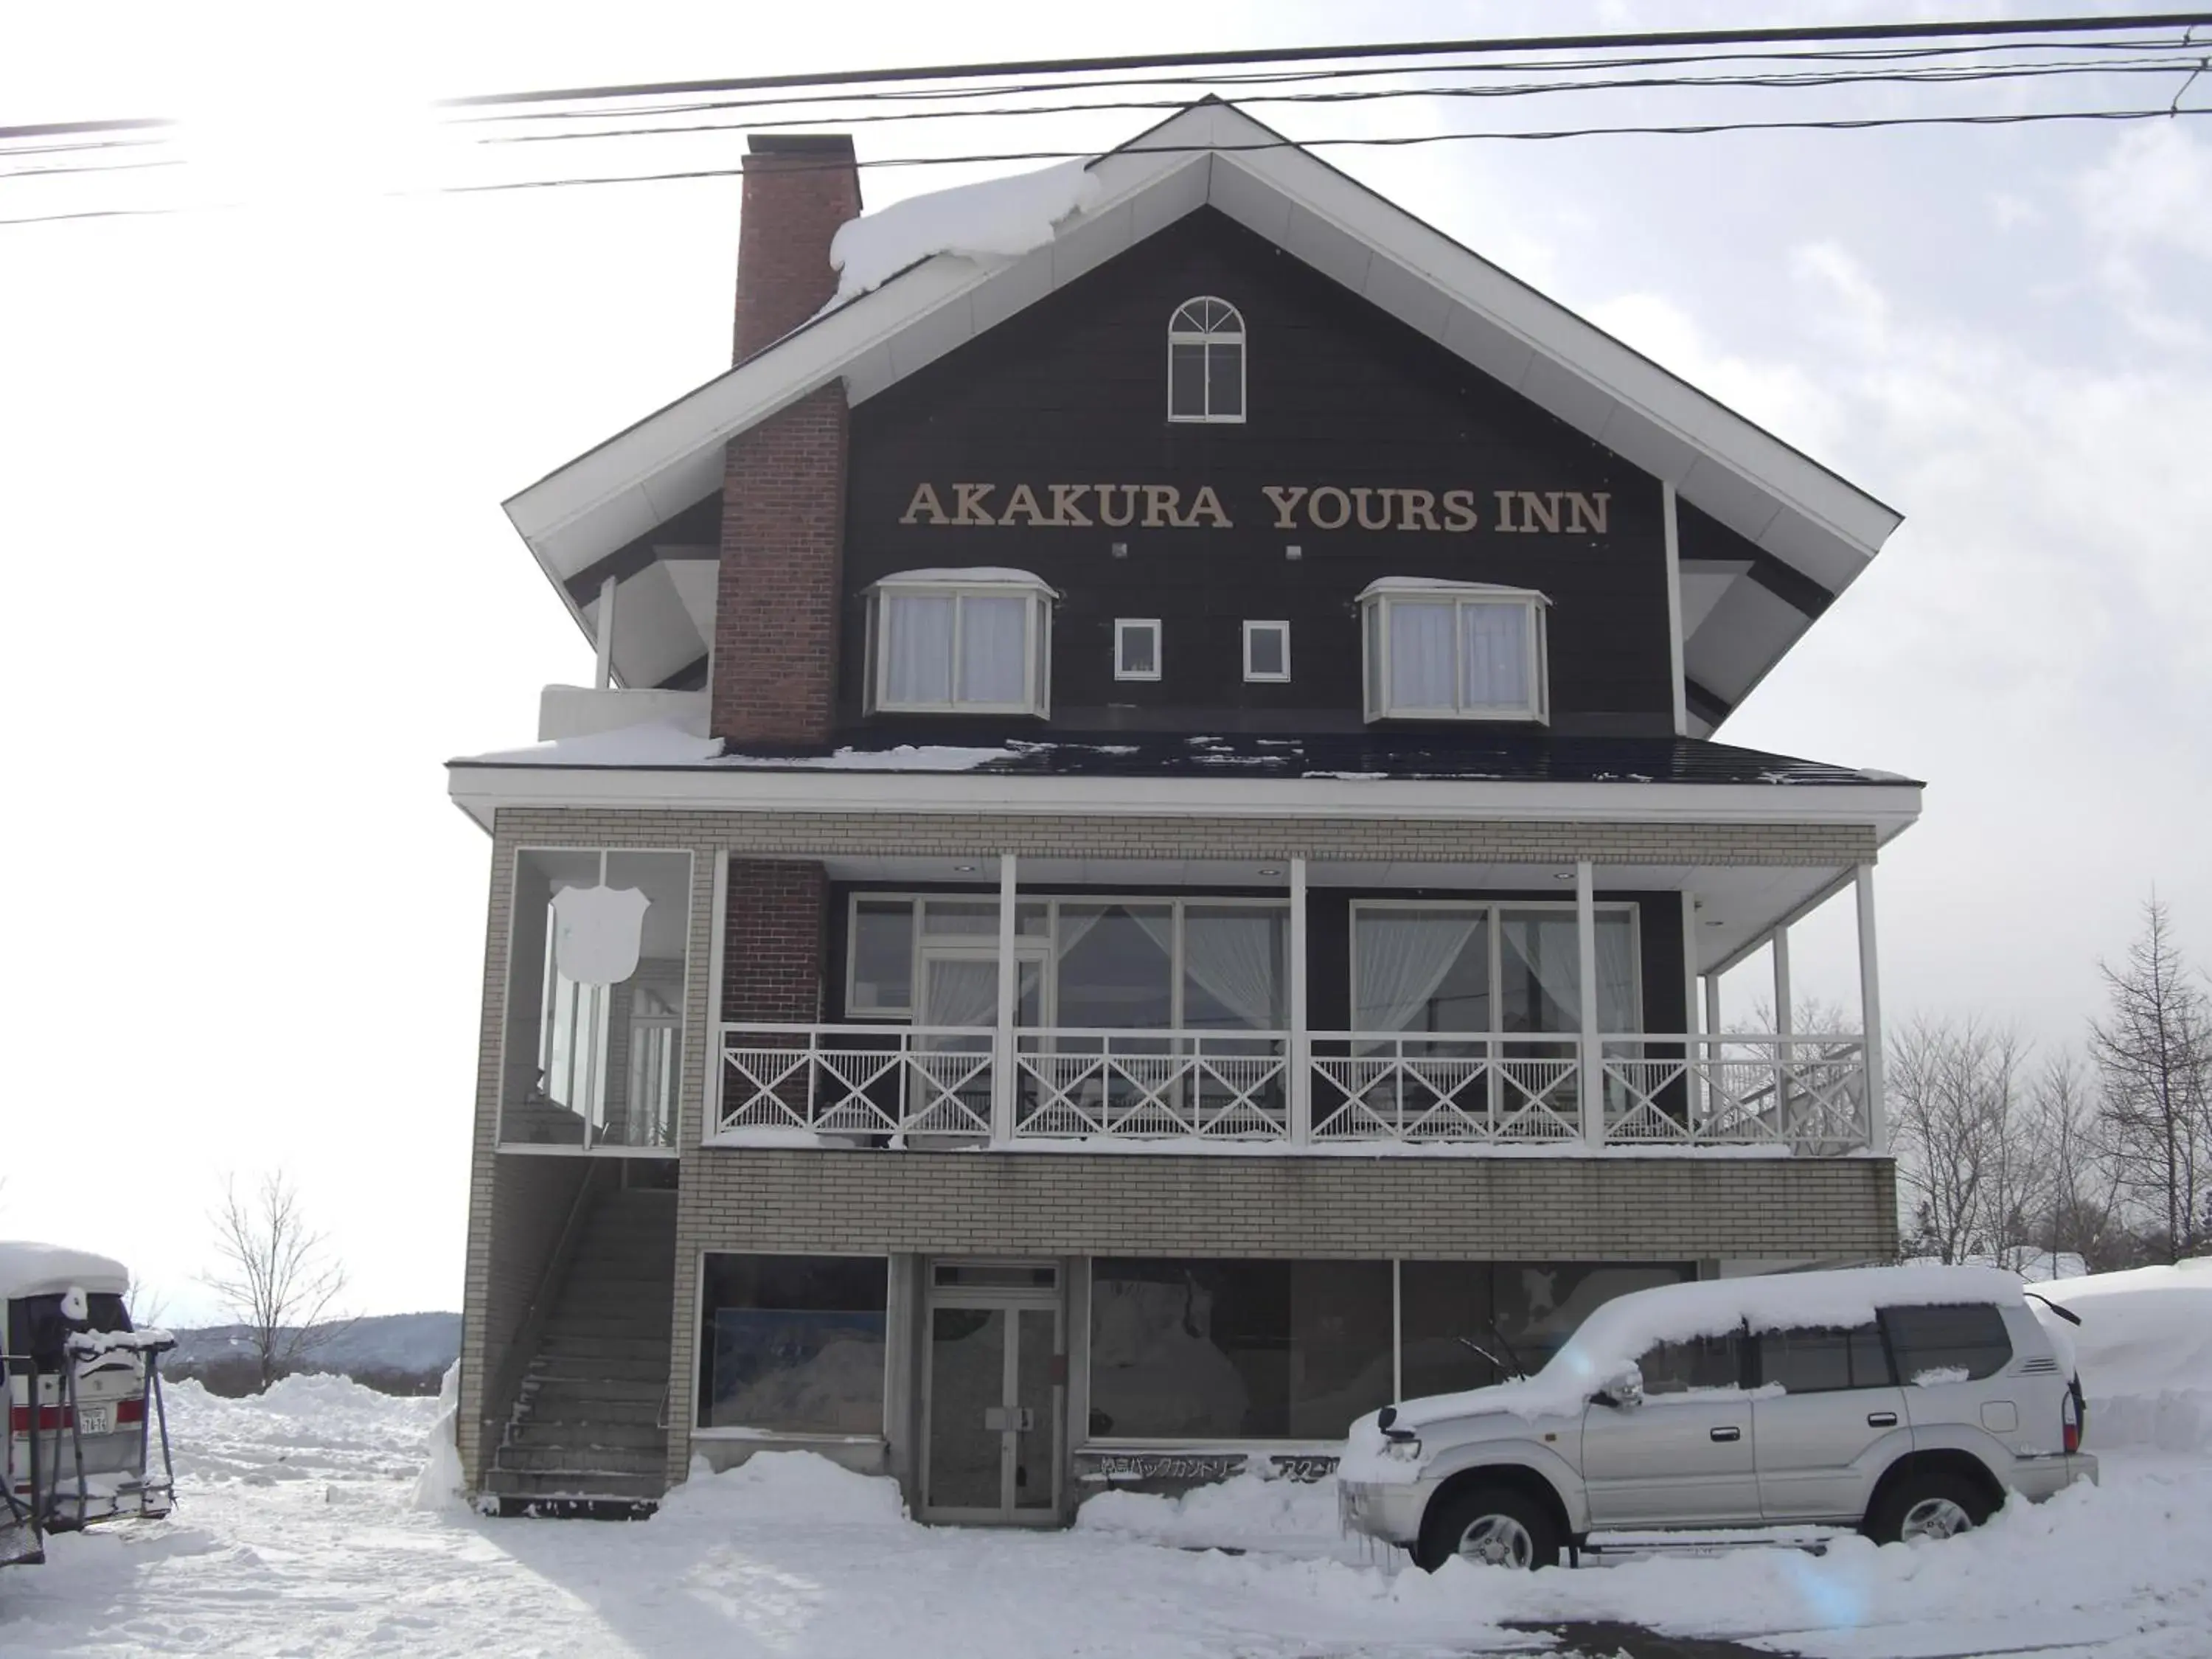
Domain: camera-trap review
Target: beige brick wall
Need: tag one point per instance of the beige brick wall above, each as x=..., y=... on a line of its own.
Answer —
x=1045, y=1204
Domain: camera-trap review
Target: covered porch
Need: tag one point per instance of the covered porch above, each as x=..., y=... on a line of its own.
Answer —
x=1305, y=1005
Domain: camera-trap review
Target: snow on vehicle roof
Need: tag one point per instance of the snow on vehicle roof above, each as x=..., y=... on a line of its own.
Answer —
x=28, y=1269
x=1628, y=1326
x=994, y=219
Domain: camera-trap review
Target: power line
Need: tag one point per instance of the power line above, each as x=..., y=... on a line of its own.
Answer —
x=1689, y=129
x=2019, y=30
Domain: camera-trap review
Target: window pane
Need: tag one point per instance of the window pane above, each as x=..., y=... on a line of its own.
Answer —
x=1421, y=970
x=1266, y=651
x=918, y=649
x=1705, y=1362
x=1187, y=381
x=645, y=1011
x=1421, y=666
x=883, y=957
x=993, y=649
x=1237, y=1350
x=1224, y=381
x=1616, y=971
x=1442, y=1307
x=793, y=1344
x=962, y=918
x=1805, y=1361
x=1233, y=968
x=1140, y=646
x=1496, y=656
x=1373, y=646
x=1538, y=957
x=1541, y=1303
x=1949, y=1343
x=1116, y=966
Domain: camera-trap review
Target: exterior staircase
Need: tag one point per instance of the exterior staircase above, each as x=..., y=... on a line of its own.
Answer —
x=588, y=1434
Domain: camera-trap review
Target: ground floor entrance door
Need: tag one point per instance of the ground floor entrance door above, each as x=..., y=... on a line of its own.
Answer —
x=992, y=1394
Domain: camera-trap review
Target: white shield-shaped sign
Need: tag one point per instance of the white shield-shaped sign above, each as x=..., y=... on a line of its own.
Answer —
x=597, y=932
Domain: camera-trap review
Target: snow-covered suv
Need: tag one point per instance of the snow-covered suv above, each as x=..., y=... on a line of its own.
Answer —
x=1906, y=1401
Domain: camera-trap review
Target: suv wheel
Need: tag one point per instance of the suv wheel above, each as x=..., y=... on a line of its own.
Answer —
x=1490, y=1526
x=1937, y=1504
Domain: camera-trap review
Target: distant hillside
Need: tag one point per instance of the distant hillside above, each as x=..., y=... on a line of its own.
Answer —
x=397, y=1354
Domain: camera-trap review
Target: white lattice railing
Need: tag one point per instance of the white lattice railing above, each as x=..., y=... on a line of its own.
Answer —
x=856, y=1079
x=1804, y=1092
x=1428, y=1088
x=1150, y=1085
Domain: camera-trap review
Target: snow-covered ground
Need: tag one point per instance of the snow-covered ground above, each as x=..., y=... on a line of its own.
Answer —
x=298, y=1532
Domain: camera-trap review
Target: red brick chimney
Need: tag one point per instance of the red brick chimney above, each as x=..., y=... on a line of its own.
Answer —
x=783, y=490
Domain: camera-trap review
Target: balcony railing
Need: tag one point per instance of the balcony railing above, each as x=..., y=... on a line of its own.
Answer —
x=896, y=1085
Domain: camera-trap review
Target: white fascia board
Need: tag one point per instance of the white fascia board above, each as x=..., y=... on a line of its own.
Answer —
x=1889, y=808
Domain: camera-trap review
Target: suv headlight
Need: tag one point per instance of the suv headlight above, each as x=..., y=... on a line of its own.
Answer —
x=1404, y=1449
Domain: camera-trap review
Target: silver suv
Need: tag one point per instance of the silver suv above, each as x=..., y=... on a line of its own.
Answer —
x=1905, y=1401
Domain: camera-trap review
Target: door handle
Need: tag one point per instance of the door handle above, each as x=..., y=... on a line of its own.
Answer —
x=1882, y=1420
x=1727, y=1432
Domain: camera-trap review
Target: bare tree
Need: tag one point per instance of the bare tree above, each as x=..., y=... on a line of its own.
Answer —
x=2082, y=1211
x=277, y=1274
x=1971, y=1171
x=2154, y=1055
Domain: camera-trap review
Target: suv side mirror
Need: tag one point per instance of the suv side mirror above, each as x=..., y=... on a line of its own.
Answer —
x=1624, y=1389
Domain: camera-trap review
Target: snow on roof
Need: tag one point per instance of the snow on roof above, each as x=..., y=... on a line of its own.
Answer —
x=1628, y=1326
x=995, y=219
x=987, y=575
x=653, y=742
x=32, y=1269
x=1437, y=585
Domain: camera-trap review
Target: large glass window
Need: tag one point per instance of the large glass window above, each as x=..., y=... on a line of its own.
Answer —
x=960, y=643
x=1453, y=650
x=793, y=1344
x=1435, y=969
x=595, y=999
x=1237, y=1350
x=1950, y=1343
x=1819, y=1359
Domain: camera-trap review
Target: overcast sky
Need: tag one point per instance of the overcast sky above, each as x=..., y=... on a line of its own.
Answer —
x=250, y=460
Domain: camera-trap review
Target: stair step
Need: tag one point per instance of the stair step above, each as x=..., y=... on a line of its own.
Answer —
x=540, y=1410
x=592, y=1345
x=512, y=1483
x=581, y=1460
x=570, y=1367
x=586, y=1439
x=593, y=1388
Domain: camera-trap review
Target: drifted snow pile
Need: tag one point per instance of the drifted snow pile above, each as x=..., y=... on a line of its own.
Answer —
x=1249, y=1510
x=996, y=219
x=441, y=1484
x=789, y=1488
x=2144, y=1345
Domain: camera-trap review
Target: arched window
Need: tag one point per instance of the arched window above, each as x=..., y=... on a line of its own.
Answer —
x=1205, y=362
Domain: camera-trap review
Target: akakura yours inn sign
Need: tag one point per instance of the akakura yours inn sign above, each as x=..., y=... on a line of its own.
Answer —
x=1294, y=507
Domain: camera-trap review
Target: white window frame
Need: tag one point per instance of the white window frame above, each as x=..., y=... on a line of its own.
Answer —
x=1494, y=910
x=1185, y=330
x=1036, y=641
x=1124, y=626
x=1267, y=679
x=1375, y=634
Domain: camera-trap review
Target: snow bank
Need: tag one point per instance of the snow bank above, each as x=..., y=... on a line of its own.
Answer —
x=2144, y=1346
x=782, y=1488
x=995, y=219
x=441, y=1484
x=1248, y=1509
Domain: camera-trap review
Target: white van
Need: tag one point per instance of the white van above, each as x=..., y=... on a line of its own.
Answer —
x=1908, y=1403
x=87, y=1439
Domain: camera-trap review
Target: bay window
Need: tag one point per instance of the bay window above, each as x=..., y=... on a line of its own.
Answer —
x=1456, y=651
x=960, y=642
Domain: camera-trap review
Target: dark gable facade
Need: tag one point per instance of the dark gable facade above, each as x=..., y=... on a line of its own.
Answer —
x=1341, y=397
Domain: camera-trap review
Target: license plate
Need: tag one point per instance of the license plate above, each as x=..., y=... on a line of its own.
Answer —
x=95, y=1420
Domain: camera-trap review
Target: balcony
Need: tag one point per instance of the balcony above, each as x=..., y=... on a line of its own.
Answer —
x=1280, y=1092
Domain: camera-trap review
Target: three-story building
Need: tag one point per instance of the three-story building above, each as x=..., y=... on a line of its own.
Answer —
x=1146, y=867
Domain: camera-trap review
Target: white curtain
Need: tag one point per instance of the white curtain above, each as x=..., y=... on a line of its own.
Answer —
x=1616, y=974
x=1231, y=956
x=993, y=633
x=1421, y=668
x=960, y=993
x=1403, y=957
x=919, y=647
x=1497, y=656
x=1546, y=944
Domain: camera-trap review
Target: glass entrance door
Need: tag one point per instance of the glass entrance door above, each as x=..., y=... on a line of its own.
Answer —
x=993, y=1439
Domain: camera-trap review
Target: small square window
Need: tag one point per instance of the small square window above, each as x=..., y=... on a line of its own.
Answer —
x=1137, y=649
x=1267, y=650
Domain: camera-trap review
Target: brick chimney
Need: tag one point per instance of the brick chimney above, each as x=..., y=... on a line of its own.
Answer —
x=783, y=488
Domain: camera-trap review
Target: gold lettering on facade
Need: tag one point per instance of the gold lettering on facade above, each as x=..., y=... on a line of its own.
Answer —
x=1505, y=525
x=1106, y=515
x=1587, y=514
x=1416, y=510
x=1459, y=511
x=1023, y=500
x=1359, y=504
x=925, y=500
x=1340, y=510
x=1208, y=505
x=1160, y=503
x=1537, y=510
x=968, y=501
x=1285, y=498
x=1065, y=510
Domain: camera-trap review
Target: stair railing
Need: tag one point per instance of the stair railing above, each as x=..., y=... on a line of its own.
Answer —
x=500, y=1400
